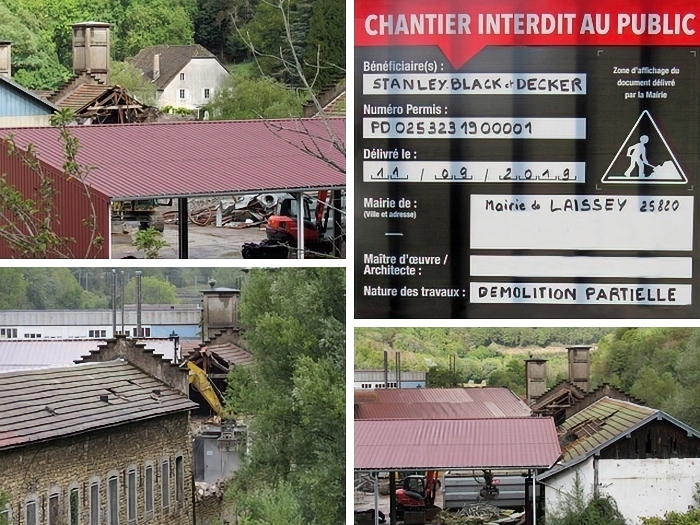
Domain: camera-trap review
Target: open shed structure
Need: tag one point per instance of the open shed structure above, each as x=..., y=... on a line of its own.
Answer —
x=176, y=160
x=438, y=445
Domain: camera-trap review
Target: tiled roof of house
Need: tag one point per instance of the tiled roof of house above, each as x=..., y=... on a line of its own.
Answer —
x=595, y=425
x=83, y=94
x=41, y=405
x=172, y=60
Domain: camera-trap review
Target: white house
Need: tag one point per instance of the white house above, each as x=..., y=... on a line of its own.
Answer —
x=185, y=76
x=646, y=460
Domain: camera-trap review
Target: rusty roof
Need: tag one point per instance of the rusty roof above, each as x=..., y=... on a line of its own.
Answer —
x=441, y=403
x=455, y=444
x=187, y=159
x=41, y=405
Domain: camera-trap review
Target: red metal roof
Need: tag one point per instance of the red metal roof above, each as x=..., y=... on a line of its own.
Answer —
x=177, y=159
x=455, y=444
x=441, y=403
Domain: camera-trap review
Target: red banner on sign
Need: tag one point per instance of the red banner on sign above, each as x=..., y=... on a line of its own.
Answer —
x=461, y=29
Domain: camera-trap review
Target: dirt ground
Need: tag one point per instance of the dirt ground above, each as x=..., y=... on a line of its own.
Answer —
x=205, y=242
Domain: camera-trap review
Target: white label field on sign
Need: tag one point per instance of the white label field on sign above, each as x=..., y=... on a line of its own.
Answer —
x=581, y=222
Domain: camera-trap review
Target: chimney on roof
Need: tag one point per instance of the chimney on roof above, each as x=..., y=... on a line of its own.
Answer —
x=156, y=66
x=91, y=49
x=5, y=58
x=535, y=378
x=579, y=366
x=220, y=311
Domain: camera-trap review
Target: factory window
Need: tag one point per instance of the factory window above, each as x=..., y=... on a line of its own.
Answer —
x=182, y=94
x=131, y=496
x=148, y=489
x=74, y=506
x=113, y=501
x=30, y=513
x=8, y=333
x=54, y=509
x=95, y=503
x=179, y=479
x=145, y=331
x=165, y=483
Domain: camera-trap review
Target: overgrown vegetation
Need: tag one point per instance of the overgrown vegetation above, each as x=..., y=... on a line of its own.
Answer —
x=150, y=241
x=294, y=398
x=577, y=509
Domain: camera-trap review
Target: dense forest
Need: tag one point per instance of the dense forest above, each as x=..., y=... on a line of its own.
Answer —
x=660, y=366
x=89, y=288
x=40, y=32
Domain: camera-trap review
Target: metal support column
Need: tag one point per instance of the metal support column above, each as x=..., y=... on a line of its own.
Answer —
x=392, y=498
x=338, y=233
x=300, y=225
x=182, y=226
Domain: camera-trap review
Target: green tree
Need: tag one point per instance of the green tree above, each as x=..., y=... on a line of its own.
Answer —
x=128, y=76
x=13, y=289
x=155, y=22
x=245, y=98
x=52, y=288
x=153, y=291
x=293, y=395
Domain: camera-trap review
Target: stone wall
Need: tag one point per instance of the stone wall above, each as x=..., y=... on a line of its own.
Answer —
x=37, y=472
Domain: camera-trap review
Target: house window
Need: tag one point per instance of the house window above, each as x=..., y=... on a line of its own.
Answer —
x=207, y=92
x=30, y=513
x=95, y=503
x=179, y=479
x=182, y=77
x=54, y=510
x=165, y=483
x=182, y=94
x=131, y=496
x=149, y=489
x=74, y=506
x=113, y=501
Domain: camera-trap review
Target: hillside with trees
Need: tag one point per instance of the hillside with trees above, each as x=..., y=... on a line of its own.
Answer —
x=90, y=288
x=40, y=31
x=660, y=366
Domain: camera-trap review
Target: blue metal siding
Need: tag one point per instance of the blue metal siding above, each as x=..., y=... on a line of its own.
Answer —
x=183, y=330
x=14, y=103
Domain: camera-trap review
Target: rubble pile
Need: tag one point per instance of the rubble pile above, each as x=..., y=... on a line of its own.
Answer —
x=481, y=514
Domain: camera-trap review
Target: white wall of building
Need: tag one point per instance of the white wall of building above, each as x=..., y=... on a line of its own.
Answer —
x=641, y=487
x=200, y=74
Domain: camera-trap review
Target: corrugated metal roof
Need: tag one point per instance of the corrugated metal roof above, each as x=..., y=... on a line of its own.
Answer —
x=40, y=405
x=599, y=423
x=443, y=403
x=32, y=354
x=455, y=444
x=196, y=158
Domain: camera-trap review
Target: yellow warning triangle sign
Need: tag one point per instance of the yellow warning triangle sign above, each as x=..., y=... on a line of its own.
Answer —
x=645, y=157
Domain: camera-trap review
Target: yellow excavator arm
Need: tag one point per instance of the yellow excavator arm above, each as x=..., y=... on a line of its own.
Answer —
x=199, y=380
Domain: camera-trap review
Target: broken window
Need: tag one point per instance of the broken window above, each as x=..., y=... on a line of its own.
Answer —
x=149, y=488
x=165, y=483
x=74, y=503
x=95, y=503
x=30, y=513
x=113, y=501
x=131, y=496
x=54, y=511
x=179, y=479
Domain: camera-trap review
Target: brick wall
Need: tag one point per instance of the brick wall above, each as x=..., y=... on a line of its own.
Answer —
x=56, y=467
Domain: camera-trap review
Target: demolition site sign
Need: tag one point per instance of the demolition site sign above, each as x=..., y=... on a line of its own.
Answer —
x=535, y=160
